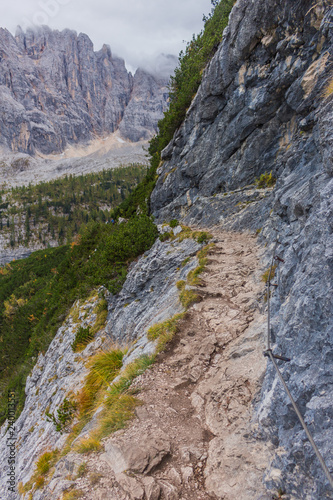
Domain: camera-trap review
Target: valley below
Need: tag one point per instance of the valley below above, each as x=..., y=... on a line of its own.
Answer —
x=17, y=169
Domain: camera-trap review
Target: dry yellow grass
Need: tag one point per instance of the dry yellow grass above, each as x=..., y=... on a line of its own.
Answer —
x=164, y=332
x=88, y=444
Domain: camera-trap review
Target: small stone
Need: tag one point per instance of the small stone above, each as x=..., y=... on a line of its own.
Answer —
x=152, y=488
x=185, y=456
x=131, y=486
x=169, y=491
x=187, y=473
x=175, y=477
x=137, y=457
x=177, y=230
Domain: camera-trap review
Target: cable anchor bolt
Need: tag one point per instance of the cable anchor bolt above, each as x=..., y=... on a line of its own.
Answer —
x=269, y=352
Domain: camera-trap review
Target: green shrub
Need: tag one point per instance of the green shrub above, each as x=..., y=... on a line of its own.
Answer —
x=204, y=237
x=265, y=181
x=82, y=338
x=173, y=223
x=65, y=415
x=165, y=236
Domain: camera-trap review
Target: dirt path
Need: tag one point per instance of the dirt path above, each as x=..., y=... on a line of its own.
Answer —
x=193, y=438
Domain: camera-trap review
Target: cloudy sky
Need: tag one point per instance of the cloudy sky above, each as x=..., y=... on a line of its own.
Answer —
x=136, y=30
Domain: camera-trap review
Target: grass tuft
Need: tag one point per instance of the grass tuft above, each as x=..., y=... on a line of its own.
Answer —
x=45, y=462
x=266, y=180
x=88, y=445
x=102, y=311
x=83, y=337
x=185, y=261
x=39, y=482
x=193, y=276
x=82, y=470
x=165, y=331
x=43, y=467
x=103, y=368
x=165, y=236
x=94, y=478
x=119, y=408
x=117, y=400
x=265, y=276
x=72, y=495
x=187, y=297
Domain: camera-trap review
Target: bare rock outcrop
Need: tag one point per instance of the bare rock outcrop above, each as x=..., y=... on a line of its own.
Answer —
x=149, y=100
x=140, y=457
x=259, y=94
x=265, y=105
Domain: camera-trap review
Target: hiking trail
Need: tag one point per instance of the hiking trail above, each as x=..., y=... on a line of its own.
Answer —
x=193, y=436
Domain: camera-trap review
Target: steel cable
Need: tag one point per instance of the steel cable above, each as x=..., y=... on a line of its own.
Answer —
x=273, y=358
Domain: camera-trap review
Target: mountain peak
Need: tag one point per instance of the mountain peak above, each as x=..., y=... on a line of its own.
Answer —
x=62, y=91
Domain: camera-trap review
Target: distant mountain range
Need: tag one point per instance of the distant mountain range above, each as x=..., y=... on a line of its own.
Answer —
x=56, y=90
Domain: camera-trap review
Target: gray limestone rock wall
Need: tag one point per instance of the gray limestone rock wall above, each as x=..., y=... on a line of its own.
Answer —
x=149, y=295
x=259, y=91
x=54, y=376
x=54, y=90
x=149, y=100
x=264, y=106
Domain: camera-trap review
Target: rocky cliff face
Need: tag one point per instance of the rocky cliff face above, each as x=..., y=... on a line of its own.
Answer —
x=148, y=102
x=265, y=104
x=259, y=93
x=54, y=90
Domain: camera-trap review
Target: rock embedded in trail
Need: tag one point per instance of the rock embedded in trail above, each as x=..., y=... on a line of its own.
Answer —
x=140, y=457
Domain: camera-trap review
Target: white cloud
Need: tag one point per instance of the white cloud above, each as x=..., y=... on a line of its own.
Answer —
x=137, y=30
